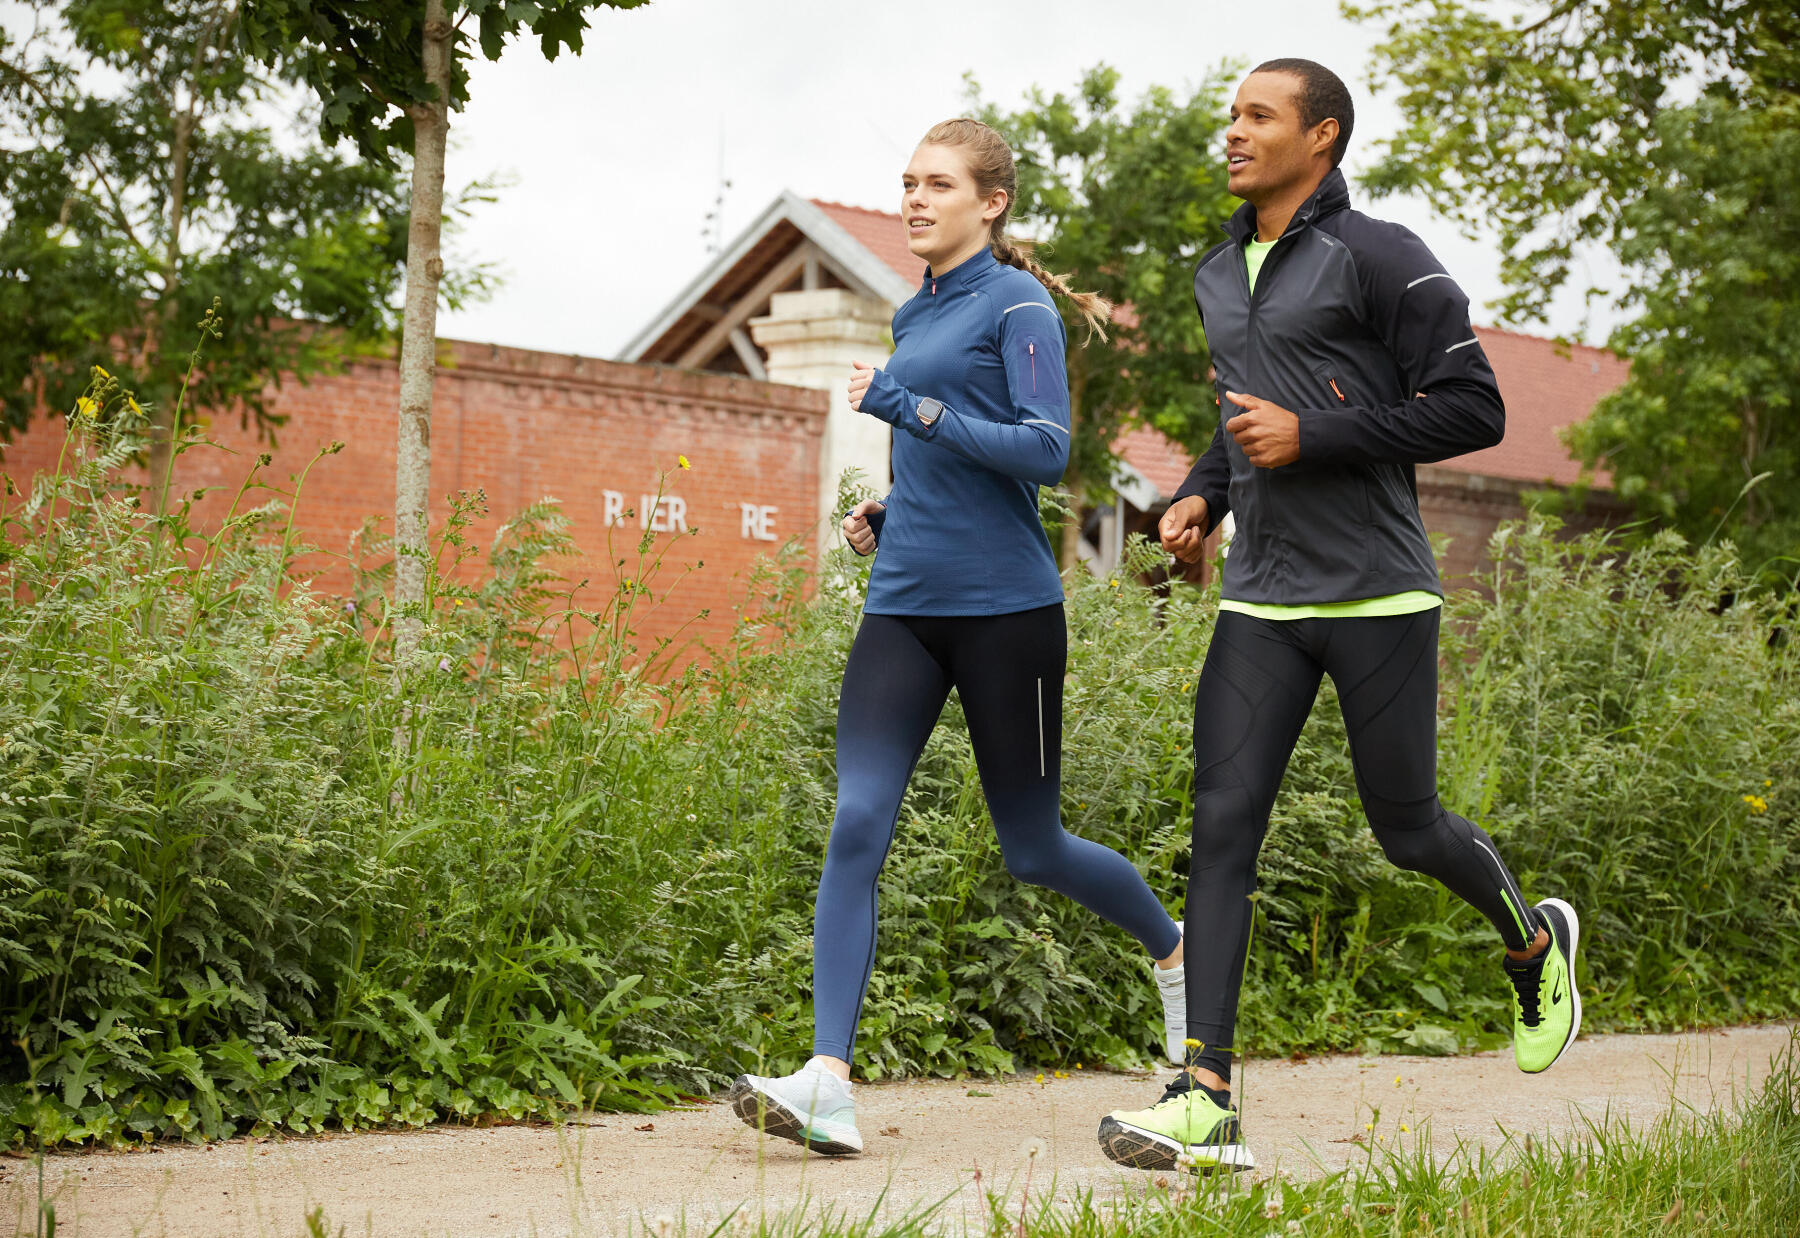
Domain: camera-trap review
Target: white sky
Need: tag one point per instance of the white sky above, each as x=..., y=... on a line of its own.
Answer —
x=615, y=154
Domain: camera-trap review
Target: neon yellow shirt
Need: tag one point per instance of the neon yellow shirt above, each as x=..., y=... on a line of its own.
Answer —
x=1254, y=253
x=1408, y=603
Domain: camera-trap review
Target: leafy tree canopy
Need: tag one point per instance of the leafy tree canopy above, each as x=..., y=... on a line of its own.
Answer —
x=1668, y=133
x=363, y=58
x=146, y=172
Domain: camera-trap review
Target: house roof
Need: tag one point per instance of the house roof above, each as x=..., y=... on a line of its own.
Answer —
x=1162, y=461
x=766, y=249
x=1546, y=386
x=883, y=234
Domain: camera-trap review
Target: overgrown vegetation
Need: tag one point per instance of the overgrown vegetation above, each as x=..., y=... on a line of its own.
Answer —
x=1668, y=136
x=254, y=877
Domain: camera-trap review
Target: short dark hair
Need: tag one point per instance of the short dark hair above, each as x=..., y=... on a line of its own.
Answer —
x=1322, y=93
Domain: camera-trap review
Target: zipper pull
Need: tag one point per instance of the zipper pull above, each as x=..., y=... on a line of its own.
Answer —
x=1031, y=349
x=934, y=287
x=1335, y=391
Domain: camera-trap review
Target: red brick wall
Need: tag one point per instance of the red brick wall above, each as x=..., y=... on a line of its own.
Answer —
x=1468, y=507
x=524, y=425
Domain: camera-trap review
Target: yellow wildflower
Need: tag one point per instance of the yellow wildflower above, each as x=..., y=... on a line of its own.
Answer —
x=683, y=461
x=85, y=407
x=1757, y=803
x=101, y=371
x=1191, y=1043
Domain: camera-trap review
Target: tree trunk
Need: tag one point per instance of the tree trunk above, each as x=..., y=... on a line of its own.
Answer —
x=418, y=342
x=163, y=427
x=161, y=455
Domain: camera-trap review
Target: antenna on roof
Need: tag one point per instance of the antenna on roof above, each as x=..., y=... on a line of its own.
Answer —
x=713, y=230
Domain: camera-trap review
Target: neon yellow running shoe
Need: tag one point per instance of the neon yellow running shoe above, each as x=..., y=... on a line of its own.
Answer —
x=1185, y=1129
x=1546, y=1004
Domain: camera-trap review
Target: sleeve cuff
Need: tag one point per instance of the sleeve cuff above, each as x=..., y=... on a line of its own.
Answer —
x=886, y=400
x=1325, y=434
x=1217, y=505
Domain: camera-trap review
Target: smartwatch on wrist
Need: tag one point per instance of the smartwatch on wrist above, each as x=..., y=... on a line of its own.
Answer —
x=929, y=410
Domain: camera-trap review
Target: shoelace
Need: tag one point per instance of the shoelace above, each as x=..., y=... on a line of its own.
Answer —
x=1181, y=1087
x=1528, y=982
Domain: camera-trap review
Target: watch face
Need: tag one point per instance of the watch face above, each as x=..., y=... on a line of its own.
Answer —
x=929, y=410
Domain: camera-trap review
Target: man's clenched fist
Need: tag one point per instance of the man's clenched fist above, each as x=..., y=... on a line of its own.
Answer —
x=1268, y=433
x=1183, y=528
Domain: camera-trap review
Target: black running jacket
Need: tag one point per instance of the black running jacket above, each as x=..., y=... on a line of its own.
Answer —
x=1356, y=328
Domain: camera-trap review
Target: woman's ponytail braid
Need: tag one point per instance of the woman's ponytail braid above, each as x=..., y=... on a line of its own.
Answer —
x=991, y=163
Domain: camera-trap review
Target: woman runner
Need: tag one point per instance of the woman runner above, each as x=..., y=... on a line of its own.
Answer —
x=964, y=594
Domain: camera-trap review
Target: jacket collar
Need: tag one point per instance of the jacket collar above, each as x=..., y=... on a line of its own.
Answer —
x=1332, y=195
x=963, y=274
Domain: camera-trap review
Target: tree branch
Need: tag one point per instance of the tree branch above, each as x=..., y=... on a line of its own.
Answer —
x=120, y=216
x=1556, y=13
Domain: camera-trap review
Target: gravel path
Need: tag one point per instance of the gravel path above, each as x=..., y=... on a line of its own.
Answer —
x=602, y=1174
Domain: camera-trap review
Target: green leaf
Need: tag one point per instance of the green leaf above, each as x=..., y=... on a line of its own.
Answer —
x=1431, y=993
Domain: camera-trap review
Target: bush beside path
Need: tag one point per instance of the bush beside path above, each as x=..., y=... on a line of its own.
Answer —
x=605, y=1173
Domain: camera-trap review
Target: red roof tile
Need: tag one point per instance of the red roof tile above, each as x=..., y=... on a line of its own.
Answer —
x=1159, y=458
x=881, y=233
x=1546, y=386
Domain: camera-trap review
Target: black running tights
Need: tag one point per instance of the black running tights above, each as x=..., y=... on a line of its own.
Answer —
x=1254, y=695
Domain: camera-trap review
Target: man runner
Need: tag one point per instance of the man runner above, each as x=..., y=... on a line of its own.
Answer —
x=1344, y=357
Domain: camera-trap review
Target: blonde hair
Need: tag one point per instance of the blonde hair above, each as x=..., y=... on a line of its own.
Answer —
x=991, y=164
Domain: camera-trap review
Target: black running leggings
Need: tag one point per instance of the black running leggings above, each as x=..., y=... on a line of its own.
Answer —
x=1008, y=671
x=1255, y=693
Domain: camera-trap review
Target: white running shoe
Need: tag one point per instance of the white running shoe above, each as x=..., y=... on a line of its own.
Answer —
x=812, y=1107
x=1171, y=985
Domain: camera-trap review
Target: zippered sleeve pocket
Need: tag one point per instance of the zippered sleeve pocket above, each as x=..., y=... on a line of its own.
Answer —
x=1031, y=350
x=1030, y=377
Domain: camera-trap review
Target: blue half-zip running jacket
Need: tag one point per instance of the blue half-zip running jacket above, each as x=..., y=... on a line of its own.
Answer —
x=961, y=534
